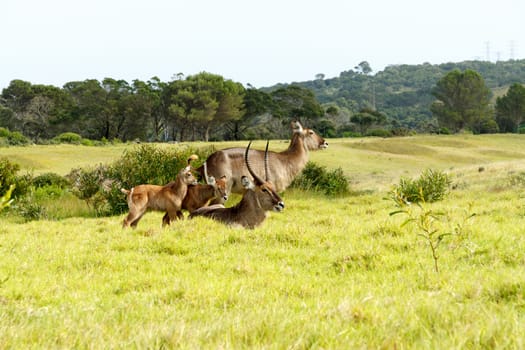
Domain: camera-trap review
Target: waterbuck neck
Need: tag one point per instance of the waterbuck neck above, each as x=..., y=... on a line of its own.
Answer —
x=297, y=145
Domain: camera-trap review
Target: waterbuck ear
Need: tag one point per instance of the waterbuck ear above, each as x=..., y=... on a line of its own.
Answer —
x=297, y=127
x=211, y=180
x=247, y=183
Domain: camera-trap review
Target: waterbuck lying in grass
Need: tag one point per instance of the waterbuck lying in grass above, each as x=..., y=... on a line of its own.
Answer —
x=285, y=165
x=166, y=198
x=258, y=198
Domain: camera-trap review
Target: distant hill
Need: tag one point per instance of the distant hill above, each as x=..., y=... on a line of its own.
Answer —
x=403, y=92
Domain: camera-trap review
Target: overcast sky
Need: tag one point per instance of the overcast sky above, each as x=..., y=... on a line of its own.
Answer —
x=252, y=42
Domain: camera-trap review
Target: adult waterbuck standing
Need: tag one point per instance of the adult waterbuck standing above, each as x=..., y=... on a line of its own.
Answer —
x=258, y=198
x=285, y=165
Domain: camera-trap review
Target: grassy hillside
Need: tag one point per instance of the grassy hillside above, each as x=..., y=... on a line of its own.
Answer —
x=334, y=273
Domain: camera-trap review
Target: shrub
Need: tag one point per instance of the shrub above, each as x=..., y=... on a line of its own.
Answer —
x=402, y=131
x=488, y=126
x=68, y=137
x=50, y=179
x=8, y=176
x=379, y=133
x=4, y=132
x=431, y=186
x=8, y=172
x=316, y=178
x=351, y=134
x=29, y=208
x=17, y=139
x=87, y=142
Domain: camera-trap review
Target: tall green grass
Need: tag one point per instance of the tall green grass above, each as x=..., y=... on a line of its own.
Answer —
x=325, y=273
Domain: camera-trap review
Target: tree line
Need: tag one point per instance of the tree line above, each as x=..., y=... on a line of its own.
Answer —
x=204, y=106
x=401, y=99
x=405, y=93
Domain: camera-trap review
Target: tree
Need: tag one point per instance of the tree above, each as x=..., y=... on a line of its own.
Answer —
x=38, y=111
x=89, y=99
x=256, y=104
x=295, y=103
x=462, y=101
x=510, y=109
x=363, y=68
x=366, y=118
x=7, y=118
x=204, y=101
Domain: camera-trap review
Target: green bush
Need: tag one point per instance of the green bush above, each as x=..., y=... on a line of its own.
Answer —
x=8, y=172
x=316, y=178
x=488, y=126
x=68, y=137
x=87, y=142
x=16, y=138
x=8, y=176
x=431, y=186
x=351, y=134
x=379, y=133
x=29, y=208
x=402, y=131
x=50, y=179
x=4, y=132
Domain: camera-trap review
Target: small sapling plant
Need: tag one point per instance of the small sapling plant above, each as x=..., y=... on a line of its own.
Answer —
x=411, y=197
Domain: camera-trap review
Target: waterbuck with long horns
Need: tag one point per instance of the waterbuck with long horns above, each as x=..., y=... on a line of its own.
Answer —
x=258, y=198
x=285, y=165
x=166, y=198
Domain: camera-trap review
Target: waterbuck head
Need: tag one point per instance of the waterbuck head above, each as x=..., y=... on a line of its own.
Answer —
x=312, y=140
x=265, y=195
x=219, y=186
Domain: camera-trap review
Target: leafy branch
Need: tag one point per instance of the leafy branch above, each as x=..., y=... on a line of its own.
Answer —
x=6, y=199
x=426, y=221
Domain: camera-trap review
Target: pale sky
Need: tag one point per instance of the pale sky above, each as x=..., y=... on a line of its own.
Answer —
x=261, y=43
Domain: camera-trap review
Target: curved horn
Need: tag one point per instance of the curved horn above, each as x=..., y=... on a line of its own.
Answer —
x=257, y=178
x=266, y=172
x=206, y=173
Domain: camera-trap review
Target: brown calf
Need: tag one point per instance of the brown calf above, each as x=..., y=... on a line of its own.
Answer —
x=200, y=194
x=166, y=198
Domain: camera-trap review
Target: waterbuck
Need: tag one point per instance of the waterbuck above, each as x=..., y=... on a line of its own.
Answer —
x=200, y=194
x=285, y=165
x=166, y=198
x=258, y=198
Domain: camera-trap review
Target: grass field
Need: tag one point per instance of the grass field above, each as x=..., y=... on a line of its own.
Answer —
x=330, y=273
